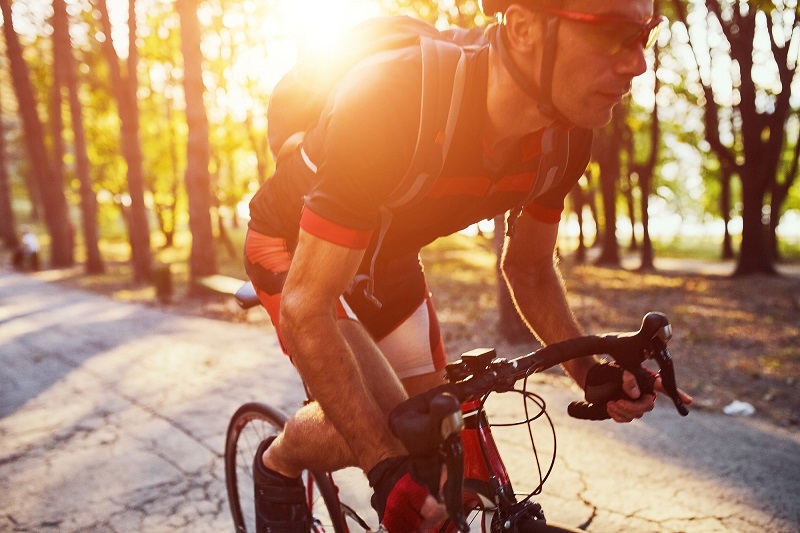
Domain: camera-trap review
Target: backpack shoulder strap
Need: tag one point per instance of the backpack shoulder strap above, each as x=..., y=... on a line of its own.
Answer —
x=444, y=73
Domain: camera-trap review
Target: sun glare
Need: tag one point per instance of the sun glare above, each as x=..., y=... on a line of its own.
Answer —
x=285, y=30
x=312, y=26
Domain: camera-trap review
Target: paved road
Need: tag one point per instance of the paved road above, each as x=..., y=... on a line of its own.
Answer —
x=112, y=419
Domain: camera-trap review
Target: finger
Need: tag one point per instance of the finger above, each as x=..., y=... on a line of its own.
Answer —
x=685, y=398
x=630, y=386
x=627, y=410
x=433, y=514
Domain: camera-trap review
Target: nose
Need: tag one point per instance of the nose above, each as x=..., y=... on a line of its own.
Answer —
x=630, y=61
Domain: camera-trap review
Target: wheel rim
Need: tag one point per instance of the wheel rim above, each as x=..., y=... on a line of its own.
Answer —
x=250, y=425
x=247, y=430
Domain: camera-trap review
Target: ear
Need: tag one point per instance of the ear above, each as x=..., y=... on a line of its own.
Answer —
x=522, y=28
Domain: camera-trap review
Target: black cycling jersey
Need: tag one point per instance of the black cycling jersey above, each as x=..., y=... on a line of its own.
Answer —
x=335, y=183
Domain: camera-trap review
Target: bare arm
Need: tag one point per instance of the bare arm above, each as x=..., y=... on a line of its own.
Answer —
x=538, y=289
x=320, y=273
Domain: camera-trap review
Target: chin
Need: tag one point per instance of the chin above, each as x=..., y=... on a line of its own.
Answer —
x=591, y=118
x=592, y=115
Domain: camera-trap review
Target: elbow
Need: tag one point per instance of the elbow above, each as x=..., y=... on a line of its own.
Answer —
x=300, y=320
x=293, y=317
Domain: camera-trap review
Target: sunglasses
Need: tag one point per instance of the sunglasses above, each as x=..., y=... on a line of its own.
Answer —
x=613, y=33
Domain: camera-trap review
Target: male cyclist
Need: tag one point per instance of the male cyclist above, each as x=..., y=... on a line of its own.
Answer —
x=549, y=72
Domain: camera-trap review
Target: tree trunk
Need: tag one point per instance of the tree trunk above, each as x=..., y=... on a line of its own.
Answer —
x=780, y=192
x=125, y=95
x=631, y=204
x=753, y=256
x=725, y=207
x=607, y=154
x=646, y=254
x=54, y=201
x=63, y=57
x=578, y=203
x=8, y=231
x=645, y=175
x=57, y=125
x=203, y=261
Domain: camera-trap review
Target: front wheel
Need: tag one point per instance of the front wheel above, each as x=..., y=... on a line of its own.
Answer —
x=249, y=426
x=481, y=514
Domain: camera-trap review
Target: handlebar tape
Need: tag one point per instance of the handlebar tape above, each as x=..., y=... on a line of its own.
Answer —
x=604, y=384
x=417, y=421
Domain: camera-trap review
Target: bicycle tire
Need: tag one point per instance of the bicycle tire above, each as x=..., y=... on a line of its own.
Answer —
x=248, y=427
x=479, y=507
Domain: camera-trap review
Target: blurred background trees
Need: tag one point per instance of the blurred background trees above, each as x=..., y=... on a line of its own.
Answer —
x=144, y=122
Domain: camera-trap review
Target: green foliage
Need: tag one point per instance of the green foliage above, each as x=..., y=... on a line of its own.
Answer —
x=247, y=43
x=465, y=13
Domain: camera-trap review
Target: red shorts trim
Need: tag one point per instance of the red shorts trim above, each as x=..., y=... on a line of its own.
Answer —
x=272, y=254
x=411, y=341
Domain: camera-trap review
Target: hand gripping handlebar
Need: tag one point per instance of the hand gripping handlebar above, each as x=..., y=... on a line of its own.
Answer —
x=429, y=423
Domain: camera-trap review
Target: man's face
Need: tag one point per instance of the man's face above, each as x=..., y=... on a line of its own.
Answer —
x=593, y=67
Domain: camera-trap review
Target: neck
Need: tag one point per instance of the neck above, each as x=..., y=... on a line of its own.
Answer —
x=511, y=112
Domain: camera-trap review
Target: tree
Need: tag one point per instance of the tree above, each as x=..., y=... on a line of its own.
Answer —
x=780, y=193
x=756, y=113
x=606, y=151
x=124, y=89
x=51, y=187
x=67, y=73
x=7, y=226
x=203, y=261
x=644, y=172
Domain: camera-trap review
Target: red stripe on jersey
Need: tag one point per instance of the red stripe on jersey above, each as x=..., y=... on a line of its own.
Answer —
x=464, y=186
x=544, y=214
x=516, y=182
x=531, y=146
x=333, y=232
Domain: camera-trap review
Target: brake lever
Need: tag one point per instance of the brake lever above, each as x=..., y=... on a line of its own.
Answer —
x=667, y=373
x=657, y=325
x=453, y=451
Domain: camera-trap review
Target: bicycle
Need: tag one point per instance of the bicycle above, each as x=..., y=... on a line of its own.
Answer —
x=446, y=421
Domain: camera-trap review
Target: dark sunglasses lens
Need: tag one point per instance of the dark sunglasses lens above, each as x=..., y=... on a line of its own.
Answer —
x=651, y=32
x=646, y=35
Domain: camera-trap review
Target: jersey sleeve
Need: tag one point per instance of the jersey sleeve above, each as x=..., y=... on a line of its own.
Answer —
x=362, y=147
x=548, y=207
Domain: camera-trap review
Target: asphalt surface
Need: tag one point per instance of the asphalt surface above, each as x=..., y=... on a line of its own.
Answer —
x=113, y=418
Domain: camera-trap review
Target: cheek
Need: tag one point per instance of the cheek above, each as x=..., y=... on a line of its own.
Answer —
x=580, y=103
x=573, y=81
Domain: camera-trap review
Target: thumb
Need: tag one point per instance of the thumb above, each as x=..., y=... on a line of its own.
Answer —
x=630, y=386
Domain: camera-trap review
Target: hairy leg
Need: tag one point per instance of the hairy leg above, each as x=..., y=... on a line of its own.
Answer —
x=417, y=384
x=309, y=439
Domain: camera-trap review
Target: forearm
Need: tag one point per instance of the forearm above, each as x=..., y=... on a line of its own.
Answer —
x=540, y=296
x=330, y=371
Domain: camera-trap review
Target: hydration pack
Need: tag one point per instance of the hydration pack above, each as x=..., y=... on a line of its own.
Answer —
x=299, y=98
